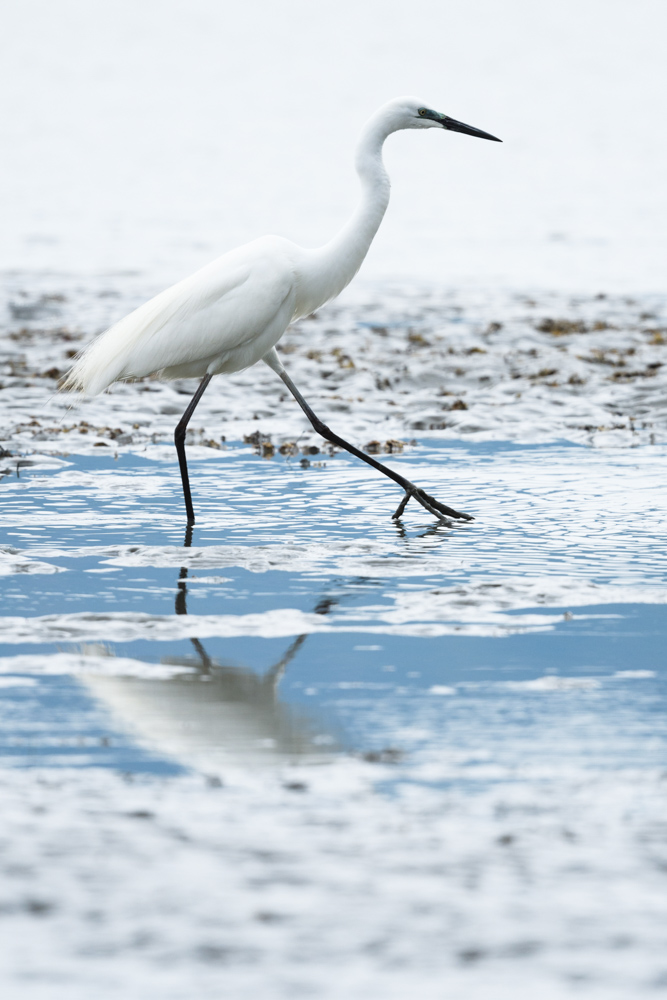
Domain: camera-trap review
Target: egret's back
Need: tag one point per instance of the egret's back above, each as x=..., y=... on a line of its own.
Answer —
x=224, y=317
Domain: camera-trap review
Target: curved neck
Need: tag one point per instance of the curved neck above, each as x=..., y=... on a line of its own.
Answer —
x=332, y=267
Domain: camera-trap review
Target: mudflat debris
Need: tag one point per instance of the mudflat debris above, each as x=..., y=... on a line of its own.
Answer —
x=379, y=365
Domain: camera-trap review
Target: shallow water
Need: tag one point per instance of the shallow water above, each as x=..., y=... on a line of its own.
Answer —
x=301, y=623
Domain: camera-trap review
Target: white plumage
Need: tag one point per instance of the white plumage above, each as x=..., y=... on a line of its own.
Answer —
x=233, y=312
x=223, y=318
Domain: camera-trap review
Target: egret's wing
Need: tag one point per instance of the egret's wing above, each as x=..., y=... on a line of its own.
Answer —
x=215, y=310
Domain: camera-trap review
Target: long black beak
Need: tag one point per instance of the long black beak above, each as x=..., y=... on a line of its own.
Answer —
x=453, y=126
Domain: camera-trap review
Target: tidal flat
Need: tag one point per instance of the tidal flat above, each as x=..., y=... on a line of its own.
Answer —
x=314, y=751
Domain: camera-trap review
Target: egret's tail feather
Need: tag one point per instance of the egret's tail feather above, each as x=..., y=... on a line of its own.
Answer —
x=108, y=359
x=93, y=371
x=72, y=382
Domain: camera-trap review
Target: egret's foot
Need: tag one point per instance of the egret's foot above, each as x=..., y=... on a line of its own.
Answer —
x=432, y=505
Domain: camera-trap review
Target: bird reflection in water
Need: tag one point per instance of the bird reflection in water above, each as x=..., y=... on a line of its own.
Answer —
x=215, y=713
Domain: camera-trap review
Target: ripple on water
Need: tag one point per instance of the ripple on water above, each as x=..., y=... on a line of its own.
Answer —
x=254, y=634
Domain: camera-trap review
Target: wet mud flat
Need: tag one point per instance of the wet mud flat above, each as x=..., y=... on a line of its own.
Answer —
x=314, y=752
x=381, y=363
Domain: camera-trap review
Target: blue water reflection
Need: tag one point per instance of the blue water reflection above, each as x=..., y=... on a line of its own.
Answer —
x=113, y=528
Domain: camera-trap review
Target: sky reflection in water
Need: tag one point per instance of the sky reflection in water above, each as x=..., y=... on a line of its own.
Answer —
x=302, y=622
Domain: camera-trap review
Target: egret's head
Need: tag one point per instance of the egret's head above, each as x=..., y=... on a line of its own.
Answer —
x=408, y=112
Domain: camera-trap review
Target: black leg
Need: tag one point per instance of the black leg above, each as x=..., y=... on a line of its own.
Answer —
x=179, y=440
x=431, y=505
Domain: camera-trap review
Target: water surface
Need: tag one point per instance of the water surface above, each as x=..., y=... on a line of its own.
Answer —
x=301, y=622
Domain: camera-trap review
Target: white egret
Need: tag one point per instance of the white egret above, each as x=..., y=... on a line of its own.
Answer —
x=232, y=313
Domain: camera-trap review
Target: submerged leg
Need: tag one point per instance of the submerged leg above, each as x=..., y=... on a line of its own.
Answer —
x=179, y=440
x=431, y=505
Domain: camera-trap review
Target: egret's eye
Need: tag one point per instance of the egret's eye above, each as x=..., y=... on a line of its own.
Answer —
x=422, y=111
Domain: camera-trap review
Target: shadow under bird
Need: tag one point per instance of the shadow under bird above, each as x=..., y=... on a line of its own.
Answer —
x=232, y=313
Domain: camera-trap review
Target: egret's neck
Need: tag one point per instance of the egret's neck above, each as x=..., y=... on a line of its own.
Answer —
x=330, y=268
